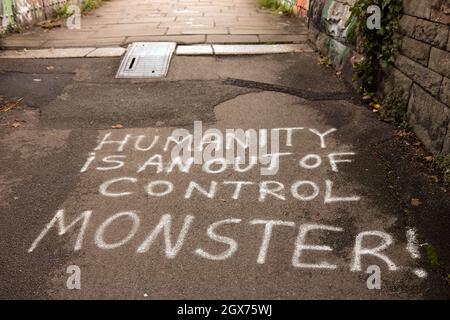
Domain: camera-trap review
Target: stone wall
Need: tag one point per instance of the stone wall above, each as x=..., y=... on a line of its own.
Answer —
x=422, y=70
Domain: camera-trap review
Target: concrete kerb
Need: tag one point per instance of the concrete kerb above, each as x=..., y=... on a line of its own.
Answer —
x=90, y=52
x=201, y=49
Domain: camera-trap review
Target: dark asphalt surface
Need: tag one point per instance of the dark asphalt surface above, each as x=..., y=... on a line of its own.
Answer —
x=75, y=103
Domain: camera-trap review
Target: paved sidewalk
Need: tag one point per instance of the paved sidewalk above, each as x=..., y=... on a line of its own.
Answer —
x=119, y=22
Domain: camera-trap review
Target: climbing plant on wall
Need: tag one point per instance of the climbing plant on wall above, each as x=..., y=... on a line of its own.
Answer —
x=380, y=45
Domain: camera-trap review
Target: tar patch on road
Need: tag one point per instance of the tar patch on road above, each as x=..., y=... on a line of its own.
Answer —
x=308, y=95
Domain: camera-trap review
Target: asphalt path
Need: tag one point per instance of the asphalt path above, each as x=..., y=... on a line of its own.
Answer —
x=92, y=184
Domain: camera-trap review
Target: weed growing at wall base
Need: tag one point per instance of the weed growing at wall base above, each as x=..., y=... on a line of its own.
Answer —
x=274, y=5
x=442, y=163
x=393, y=108
x=379, y=46
x=61, y=11
x=89, y=5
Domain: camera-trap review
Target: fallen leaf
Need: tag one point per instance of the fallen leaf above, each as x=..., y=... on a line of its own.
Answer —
x=117, y=126
x=50, y=24
x=435, y=179
x=366, y=97
x=16, y=124
x=429, y=158
x=415, y=202
x=50, y=68
x=9, y=106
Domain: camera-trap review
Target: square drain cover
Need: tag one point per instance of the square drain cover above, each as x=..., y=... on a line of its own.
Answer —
x=146, y=60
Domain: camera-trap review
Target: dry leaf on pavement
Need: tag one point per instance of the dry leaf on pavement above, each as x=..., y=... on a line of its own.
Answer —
x=435, y=179
x=10, y=105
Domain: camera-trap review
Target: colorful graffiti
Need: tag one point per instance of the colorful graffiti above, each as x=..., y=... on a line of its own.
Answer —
x=330, y=16
x=329, y=30
x=26, y=12
x=302, y=7
x=315, y=13
x=299, y=7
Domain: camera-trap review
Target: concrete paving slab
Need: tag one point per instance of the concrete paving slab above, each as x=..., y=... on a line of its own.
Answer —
x=259, y=49
x=107, y=52
x=227, y=38
x=21, y=43
x=180, y=39
x=199, y=30
x=194, y=50
x=46, y=53
x=74, y=43
x=268, y=30
x=286, y=38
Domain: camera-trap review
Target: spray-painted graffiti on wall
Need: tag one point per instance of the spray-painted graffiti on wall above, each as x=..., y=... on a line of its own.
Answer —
x=26, y=12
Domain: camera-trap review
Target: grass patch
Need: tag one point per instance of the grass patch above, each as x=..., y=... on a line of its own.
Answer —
x=284, y=9
x=273, y=5
x=442, y=163
x=14, y=28
x=325, y=61
x=268, y=4
x=393, y=108
x=89, y=5
x=432, y=256
x=61, y=11
x=430, y=251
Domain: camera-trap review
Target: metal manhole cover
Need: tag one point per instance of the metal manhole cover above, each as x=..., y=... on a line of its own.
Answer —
x=146, y=60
